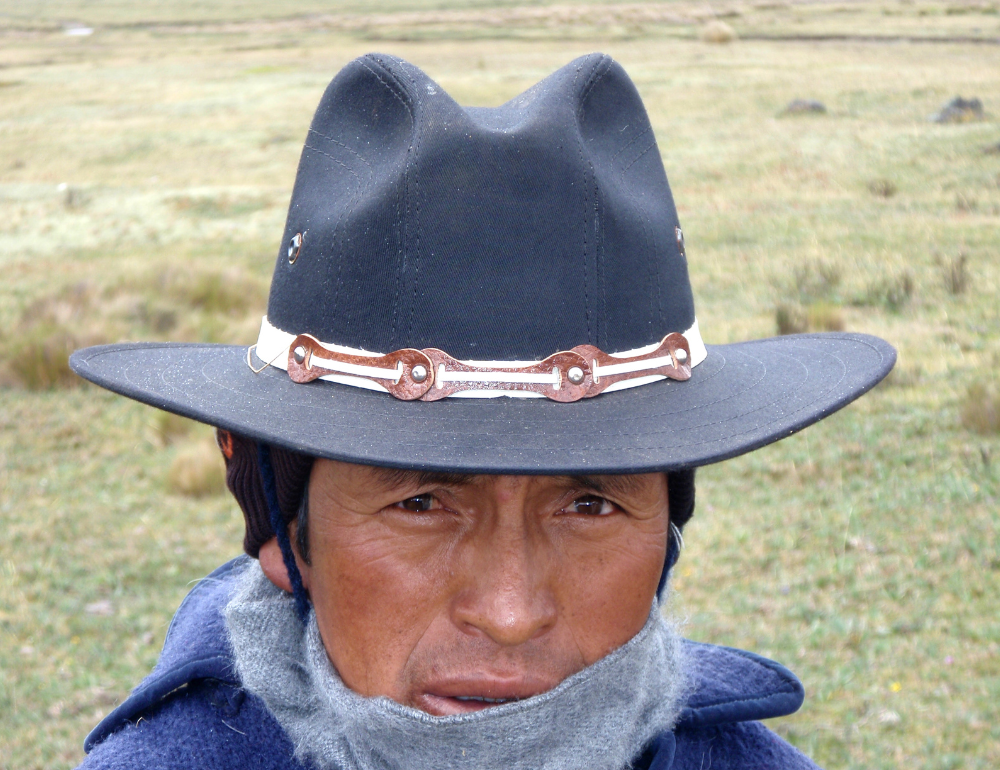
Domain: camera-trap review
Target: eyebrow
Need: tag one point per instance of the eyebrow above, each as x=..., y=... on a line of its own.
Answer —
x=394, y=478
x=616, y=485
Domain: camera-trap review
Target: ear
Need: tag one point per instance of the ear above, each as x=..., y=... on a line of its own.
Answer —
x=273, y=565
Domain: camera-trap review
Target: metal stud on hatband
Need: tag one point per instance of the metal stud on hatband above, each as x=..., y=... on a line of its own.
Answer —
x=418, y=373
x=681, y=354
x=299, y=354
x=575, y=375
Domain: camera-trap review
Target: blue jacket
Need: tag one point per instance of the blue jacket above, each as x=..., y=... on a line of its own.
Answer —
x=191, y=712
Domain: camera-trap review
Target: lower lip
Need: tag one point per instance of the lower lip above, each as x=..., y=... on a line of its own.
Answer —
x=443, y=706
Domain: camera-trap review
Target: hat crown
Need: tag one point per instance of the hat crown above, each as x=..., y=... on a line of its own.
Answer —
x=502, y=233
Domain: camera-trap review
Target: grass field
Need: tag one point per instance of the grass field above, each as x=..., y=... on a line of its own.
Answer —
x=144, y=173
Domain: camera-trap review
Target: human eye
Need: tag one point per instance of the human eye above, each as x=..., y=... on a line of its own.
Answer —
x=591, y=505
x=418, y=503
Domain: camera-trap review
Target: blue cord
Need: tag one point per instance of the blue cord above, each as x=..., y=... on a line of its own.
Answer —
x=673, y=553
x=281, y=531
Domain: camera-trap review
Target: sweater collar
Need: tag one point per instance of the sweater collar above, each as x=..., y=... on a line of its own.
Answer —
x=726, y=685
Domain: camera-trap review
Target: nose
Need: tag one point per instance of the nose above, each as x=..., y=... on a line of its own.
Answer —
x=507, y=597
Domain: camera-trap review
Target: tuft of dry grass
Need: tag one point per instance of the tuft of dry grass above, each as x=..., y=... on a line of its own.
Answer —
x=825, y=317
x=882, y=188
x=75, y=198
x=38, y=359
x=213, y=291
x=811, y=302
x=197, y=470
x=34, y=352
x=793, y=318
x=892, y=292
x=816, y=279
x=966, y=203
x=981, y=407
x=904, y=376
x=170, y=427
x=718, y=32
x=165, y=302
x=955, y=274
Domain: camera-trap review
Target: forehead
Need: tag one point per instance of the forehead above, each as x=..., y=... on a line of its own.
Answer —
x=393, y=479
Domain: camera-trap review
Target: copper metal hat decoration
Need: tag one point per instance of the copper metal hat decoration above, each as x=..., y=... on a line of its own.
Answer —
x=431, y=374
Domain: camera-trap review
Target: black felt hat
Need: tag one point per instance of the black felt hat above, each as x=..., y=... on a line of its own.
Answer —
x=501, y=235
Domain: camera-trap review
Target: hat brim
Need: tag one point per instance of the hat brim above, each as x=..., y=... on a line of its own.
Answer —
x=743, y=396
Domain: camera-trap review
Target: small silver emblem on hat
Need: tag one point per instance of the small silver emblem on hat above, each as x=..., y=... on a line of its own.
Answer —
x=294, y=247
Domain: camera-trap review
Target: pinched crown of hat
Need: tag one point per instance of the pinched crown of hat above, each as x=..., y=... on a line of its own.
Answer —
x=434, y=251
x=505, y=233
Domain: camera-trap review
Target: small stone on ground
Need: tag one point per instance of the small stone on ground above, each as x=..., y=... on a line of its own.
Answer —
x=805, y=106
x=959, y=110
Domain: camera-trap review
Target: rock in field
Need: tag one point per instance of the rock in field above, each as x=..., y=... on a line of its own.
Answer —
x=959, y=110
x=804, y=106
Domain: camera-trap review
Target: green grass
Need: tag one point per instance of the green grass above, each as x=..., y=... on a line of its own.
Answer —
x=863, y=552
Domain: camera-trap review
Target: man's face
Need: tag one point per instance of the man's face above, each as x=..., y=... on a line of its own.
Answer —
x=448, y=592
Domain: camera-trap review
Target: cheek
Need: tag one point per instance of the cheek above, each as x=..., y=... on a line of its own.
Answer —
x=607, y=588
x=374, y=597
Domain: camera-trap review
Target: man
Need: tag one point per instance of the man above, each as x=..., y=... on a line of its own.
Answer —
x=464, y=446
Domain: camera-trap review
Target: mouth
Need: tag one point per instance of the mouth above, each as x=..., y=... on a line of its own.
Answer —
x=465, y=695
x=475, y=699
x=451, y=705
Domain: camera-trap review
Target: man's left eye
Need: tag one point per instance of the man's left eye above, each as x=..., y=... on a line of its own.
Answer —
x=418, y=503
x=591, y=505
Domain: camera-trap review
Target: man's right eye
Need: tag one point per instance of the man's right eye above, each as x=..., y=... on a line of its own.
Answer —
x=417, y=504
